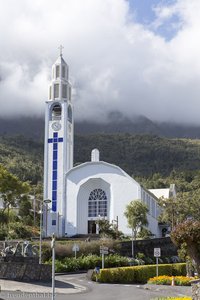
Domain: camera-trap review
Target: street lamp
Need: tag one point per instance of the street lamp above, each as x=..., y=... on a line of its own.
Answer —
x=59, y=216
x=46, y=201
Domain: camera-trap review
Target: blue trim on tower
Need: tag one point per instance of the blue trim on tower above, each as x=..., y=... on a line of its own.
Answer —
x=55, y=140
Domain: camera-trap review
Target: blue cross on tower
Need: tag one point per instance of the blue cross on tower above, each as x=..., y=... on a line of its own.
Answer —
x=55, y=140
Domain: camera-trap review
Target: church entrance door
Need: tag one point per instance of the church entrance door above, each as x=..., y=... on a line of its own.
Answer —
x=91, y=227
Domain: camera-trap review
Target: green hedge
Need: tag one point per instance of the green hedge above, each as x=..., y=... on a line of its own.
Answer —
x=138, y=274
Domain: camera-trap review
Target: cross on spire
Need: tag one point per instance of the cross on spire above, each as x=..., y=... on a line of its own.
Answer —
x=60, y=48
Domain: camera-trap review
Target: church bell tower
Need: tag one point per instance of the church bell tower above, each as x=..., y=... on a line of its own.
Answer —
x=58, y=152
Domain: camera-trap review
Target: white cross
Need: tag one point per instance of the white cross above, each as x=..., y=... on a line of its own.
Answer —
x=60, y=48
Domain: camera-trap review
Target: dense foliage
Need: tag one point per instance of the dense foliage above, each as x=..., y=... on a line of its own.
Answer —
x=22, y=157
x=89, y=262
x=141, y=155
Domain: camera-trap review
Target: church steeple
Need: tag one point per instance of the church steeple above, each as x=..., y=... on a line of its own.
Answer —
x=59, y=86
x=59, y=140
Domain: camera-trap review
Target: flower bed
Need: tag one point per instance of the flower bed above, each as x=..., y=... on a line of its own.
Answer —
x=173, y=298
x=167, y=280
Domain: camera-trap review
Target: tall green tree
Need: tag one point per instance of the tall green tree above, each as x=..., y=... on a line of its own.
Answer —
x=185, y=205
x=11, y=189
x=136, y=214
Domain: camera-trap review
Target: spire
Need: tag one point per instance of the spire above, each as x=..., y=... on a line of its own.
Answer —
x=60, y=87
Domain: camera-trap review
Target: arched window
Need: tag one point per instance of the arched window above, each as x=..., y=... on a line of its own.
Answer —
x=56, y=112
x=69, y=114
x=97, y=203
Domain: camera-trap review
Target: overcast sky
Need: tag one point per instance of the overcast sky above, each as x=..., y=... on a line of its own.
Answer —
x=140, y=57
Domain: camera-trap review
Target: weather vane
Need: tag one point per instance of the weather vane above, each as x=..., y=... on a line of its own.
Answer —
x=61, y=48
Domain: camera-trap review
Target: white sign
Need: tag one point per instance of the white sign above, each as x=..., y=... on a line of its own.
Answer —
x=157, y=252
x=75, y=248
x=103, y=250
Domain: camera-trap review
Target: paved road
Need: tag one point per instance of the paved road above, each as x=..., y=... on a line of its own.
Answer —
x=78, y=287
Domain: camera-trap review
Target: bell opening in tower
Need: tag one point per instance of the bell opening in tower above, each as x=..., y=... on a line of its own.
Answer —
x=56, y=112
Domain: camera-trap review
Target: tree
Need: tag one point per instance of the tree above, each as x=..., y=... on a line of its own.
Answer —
x=188, y=232
x=136, y=214
x=11, y=189
x=107, y=229
x=178, y=209
x=25, y=208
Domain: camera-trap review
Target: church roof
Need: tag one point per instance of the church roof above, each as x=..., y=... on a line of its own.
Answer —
x=98, y=164
x=161, y=193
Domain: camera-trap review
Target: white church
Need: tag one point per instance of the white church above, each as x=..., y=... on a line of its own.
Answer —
x=79, y=196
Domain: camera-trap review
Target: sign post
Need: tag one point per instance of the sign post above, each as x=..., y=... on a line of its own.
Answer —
x=75, y=248
x=103, y=251
x=157, y=254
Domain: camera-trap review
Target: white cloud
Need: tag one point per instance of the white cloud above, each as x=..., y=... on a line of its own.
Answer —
x=115, y=64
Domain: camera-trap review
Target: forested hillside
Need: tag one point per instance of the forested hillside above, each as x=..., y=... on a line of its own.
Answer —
x=139, y=155
x=22, y=157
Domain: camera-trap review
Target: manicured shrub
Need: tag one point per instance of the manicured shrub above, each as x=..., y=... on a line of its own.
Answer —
x=138, y=274
x=173, y=298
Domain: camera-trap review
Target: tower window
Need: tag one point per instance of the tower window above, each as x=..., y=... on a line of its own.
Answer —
x=56, y=90
x=50, y=92
x=64, y=91
x=56, y=112
x=57, y=71
x=63, y=71
x=70, y=92
x=69, y=110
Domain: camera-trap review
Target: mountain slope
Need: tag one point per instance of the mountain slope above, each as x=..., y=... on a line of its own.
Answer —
x=138, y=155
x=33, y=128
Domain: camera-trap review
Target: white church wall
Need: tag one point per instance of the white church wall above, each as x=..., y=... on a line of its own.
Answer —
x=85, y=178
x=82, y=202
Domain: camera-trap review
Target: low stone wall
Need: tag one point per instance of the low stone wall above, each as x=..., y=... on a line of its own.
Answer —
x=24, y=269
x=147, y=247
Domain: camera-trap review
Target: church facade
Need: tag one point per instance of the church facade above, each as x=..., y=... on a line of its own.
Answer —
x=76, y=197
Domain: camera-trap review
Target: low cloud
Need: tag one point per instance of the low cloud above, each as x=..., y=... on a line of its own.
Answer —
x=115, y=63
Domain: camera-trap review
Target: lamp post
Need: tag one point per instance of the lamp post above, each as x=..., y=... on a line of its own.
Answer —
x=40, y=249
x=132, y=244
x=41, y=226
x=59, y=216
x=46, y=202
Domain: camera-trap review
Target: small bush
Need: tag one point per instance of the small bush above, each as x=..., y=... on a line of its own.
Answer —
x=87, y=262
x=18, y=230
x=3, y=232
